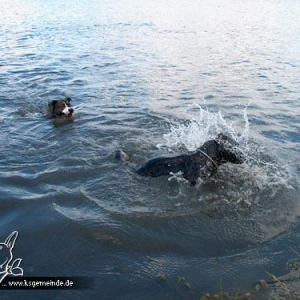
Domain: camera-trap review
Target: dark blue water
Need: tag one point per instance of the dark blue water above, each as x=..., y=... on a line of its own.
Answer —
x=153, y=79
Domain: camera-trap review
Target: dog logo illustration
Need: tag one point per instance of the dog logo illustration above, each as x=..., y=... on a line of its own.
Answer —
x=9, y=266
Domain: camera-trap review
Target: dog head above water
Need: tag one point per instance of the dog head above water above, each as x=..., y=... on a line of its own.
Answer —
x=228, y=150
x=61, y=108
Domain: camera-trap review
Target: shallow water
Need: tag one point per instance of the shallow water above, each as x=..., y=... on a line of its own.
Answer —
x=151, y=79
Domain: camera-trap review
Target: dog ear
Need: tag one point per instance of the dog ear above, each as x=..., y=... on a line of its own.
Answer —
x=11, y=239
x=222, y=137
x=68, y=99
x=52, y=103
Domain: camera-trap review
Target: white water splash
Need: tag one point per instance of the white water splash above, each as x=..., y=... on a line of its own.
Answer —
x=203, y=126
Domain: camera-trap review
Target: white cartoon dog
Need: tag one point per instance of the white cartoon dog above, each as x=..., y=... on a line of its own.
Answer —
x=8, y=266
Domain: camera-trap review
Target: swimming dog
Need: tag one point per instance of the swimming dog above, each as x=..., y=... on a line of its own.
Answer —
x=60, y=108
x=203, y=163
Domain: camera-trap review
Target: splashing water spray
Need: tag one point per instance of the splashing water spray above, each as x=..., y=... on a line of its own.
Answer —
x=202, y=127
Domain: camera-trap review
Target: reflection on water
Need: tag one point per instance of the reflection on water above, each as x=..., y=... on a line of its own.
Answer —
x=151, y=79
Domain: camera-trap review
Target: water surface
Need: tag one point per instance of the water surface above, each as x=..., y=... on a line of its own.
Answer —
x=152, y=79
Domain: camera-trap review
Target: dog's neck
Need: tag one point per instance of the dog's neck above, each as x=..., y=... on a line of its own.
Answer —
x=209, y=149
x=213, y=151
x=210, y=159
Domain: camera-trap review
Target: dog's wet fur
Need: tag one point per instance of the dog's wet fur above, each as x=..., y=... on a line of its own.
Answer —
x=60, y=108
x=203, y=163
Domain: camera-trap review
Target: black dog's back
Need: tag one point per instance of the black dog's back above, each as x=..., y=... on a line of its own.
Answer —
x=188, y=164
x=163, y=165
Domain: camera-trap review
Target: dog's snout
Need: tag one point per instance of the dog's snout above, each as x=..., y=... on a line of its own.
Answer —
x=240, y=157
x=67, y=111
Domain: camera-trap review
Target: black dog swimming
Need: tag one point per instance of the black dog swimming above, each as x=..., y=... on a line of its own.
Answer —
x=203, y=163
x=60, y=108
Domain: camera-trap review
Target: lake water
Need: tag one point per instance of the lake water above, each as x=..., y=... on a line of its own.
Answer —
x=151, y=78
